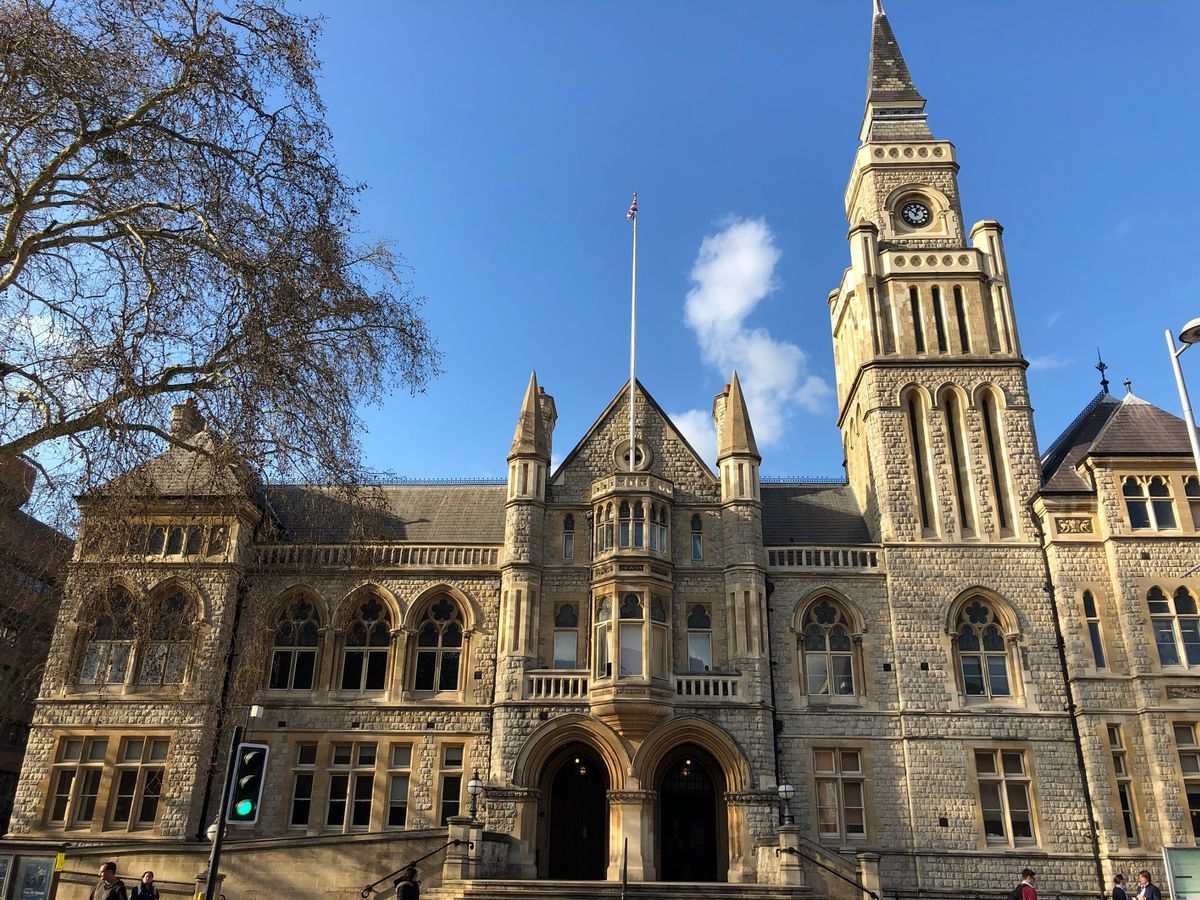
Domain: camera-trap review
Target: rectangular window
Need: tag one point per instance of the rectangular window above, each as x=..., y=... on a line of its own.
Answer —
x=399, y=769
x=566, y=642
x=79, y=765
x=631, y=649
x=939, y=318
x=1189, y=766
x=302, y=785
x=700, y=657
x=1092, y=615
x=1004, y=797
x=351, y=790
x=451, y=800
x=960, y=311
x=839, y=792
x=914, y=300
x=1124, y=785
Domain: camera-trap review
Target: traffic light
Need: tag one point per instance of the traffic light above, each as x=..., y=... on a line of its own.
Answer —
x=245, y=793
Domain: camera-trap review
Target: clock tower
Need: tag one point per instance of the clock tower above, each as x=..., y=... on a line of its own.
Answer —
x=933, y=403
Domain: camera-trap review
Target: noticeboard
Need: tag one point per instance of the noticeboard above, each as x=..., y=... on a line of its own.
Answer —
x=35, y=878
x=1182, y=867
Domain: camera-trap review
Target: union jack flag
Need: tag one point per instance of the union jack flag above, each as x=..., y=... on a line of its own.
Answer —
x=632, y=214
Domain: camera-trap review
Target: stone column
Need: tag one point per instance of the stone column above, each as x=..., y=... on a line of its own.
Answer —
x=868, y=874
x=458, y=864
x=791, y=866
x=630, y=817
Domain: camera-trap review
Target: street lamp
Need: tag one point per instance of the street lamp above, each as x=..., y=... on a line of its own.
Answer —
x=474, y=788
x=1189, y=334
x=786, y=793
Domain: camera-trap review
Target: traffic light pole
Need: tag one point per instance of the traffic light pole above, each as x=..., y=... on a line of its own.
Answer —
x=214, y=856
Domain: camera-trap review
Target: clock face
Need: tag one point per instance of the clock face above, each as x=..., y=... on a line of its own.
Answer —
x=915, y=214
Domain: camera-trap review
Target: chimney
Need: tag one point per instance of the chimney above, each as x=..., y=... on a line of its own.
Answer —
x=186, y=420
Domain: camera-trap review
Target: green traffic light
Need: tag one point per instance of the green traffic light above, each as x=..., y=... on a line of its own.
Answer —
x=244, y=807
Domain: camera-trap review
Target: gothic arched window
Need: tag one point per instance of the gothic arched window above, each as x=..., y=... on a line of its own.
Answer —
x=109, y=650
x=169, y=644
x=828, y=650
x=439, y=647
x=623, y=529
x=566, y=636
x=699, y=639
x=1149, y=503
x=368, y=641
x=697, y=539
x=568, y=536
x=982, y=651
x=294, y=656
x=1176, y=625
x=639, y=525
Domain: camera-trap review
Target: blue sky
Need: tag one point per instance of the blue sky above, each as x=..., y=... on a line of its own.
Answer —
x=501, y=142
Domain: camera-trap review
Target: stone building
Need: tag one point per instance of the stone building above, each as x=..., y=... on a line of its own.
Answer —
x=965, y=659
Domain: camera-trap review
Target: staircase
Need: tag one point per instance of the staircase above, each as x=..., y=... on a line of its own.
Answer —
x=489, y=889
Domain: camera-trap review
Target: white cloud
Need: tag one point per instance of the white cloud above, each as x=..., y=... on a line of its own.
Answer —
x=733, y=273
x=1052, y=319
x=1047, y=362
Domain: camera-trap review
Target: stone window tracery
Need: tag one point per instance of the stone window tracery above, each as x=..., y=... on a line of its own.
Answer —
x=1176, y=625
x=1149, y=503
x=982, y=650
x=150, y=648
x=294, y=655
x=699, y=639
x=439, y=648
x=367, y=646
x=828, y=651
x=109, y=650
x=166, y=652
x=697, y=538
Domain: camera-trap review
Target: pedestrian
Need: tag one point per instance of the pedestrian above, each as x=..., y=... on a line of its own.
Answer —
x=1147, y=889
x=1027, y=889
x=408, y=888
x=145, y=889
x=109, y=887
x=1120, y=892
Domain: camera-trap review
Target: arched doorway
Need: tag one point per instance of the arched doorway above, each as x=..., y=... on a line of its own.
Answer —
x=575, y=805
x=691, y=822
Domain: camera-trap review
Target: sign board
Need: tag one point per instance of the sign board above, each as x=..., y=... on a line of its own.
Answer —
x=35, y=878
x=1181, y=866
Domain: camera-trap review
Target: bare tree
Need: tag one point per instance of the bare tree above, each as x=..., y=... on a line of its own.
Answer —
x=173, y=223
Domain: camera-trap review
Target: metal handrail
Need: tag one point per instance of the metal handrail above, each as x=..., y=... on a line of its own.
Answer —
x=816, y=862
x=411, y=864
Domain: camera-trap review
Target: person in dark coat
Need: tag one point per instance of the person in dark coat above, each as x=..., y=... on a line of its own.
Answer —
x=109, y=887
x=408, y=888
x=1147, y=889
x=1120, y=891
x=145, y=889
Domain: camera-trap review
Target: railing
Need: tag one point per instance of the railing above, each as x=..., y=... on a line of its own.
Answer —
x=640, y=481
x=855, y=558
x=377, y=556
x=556, y=686
x=707, y=685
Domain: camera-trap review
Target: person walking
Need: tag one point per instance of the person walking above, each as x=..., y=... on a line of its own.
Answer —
x=1027, y=889
x=407, y=886
x=145, y=889
x=1147, y=889
x=109, y=887
x=1120, y=891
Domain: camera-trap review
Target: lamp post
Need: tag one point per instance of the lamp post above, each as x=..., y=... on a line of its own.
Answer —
x=474, y=788
x=786, y=793
x=1189, y=334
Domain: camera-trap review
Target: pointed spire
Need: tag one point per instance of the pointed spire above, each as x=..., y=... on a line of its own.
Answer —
x=1102, y=368
x=892, y=98
x=530, y=436
x=736, y=437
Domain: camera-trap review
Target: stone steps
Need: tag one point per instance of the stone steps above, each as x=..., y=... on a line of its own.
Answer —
x=496, y=889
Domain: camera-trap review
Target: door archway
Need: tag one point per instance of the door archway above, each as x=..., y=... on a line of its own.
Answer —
x=575, y=815
x=691, y=828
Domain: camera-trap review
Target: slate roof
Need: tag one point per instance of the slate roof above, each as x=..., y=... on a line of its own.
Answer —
x=439, y=514
x=179, y=472
x=1111, y=427
x=812, y=514
x=887, y=76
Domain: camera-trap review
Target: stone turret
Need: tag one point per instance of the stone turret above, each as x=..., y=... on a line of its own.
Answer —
x=737, y=453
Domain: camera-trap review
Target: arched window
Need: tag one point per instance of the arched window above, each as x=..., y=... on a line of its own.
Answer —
x=603, y=631
x=660, y=528
x=828, y=651
x=367, y=645
x=982, y=651
x=958, y=441
x=1176, y=627
x=169, y=645
x=294, y=657
x=920, y=452
x=109, y=650
x=439, y=647
x=1092, y=616
x=697, y=539
x=990, y=412
x=699, y=639
x=630, y=635
x=1148, y=502
x=1191, y=490
x=568, y=536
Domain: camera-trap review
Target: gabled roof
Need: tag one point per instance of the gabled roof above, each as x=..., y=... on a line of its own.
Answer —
x=181, y=472
x=1111, y=427
x=644, y=395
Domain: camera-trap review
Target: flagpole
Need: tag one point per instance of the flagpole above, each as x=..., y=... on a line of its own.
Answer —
x=633, y=344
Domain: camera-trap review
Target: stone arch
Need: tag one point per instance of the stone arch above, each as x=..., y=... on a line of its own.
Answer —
x=472, y=612
x=955, y=388
x=201, y=602
x=718, y=742
x=548, y=739
x=988, y=387
x=926, y=399
x=817, y=592
x=275, y=605
x=1006, y=611
x=348, y=605
x=94, y=595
